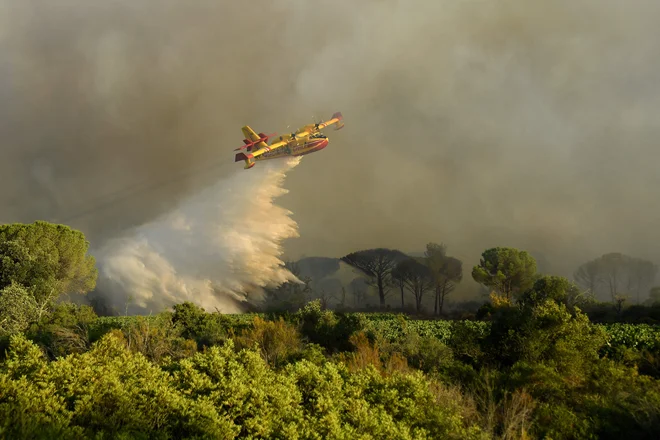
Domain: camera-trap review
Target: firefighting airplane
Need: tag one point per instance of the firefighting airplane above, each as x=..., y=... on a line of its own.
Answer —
x=305, y=140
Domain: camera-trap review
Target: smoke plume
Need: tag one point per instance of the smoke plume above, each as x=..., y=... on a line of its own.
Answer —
x=215, y=249
x=476, y=123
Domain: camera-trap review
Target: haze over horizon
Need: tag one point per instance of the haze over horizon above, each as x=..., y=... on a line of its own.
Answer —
x=477, y=124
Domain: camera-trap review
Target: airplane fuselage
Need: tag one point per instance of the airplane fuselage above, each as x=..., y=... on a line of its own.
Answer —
x=299, y=148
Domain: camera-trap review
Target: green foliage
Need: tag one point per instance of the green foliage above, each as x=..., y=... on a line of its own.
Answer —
x=557, y=289
x=205, y=328
x=505, y=270
x=330, y=330
x=18, y=309
x=393, y=328
x=277, y=341
x=638, y=337
x=157, y=339
x=67, y=329
x=69, y=315
x=546, y=288
x=556, y=355
x=538, y=368
x=112, y=392
x=424, y=353
x=467, y=338
x=387, y=326
x=47, y=259
x=547, y=333
x=366, y=404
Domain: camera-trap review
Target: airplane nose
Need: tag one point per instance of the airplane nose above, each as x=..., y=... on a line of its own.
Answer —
x=325, y=143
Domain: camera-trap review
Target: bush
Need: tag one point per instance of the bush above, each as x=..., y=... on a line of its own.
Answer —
x=157, y=339
x=329, y=330
x=424, y=353
x=206, y=329
x=112, y=392
x=277, y=341
x=67, y=329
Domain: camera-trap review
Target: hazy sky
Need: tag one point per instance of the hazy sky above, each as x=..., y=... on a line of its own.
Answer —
x=475, y=123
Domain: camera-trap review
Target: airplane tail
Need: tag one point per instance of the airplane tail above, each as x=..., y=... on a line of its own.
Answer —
x=340, y=123
x=249, y=163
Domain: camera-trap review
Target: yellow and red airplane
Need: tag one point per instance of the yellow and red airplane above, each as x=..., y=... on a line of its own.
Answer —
x=305, y=140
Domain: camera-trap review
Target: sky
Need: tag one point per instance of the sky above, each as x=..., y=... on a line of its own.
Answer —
x=473, y=123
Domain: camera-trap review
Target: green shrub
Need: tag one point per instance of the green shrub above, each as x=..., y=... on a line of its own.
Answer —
x=328, y=329
x=67, y=329
x=206, y=329
x=158, y=338
x=18, y=309
x=113, y=392
x=277, y=341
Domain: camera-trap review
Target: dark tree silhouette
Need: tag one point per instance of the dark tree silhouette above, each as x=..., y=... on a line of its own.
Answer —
x=617, y=274
x=416, y=276
x=377, y=265
x=447, y=272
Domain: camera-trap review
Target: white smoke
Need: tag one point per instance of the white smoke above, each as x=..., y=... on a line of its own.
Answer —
x=216, y=249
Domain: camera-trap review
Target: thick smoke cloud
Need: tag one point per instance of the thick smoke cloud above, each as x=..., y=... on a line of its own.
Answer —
x=529, y=124
x=476, y=123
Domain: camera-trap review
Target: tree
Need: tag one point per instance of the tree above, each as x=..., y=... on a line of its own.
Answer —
x=325, y=299
x=416, y=276
x=18, y=309
x=614, y=268
x=358, y=288
x=644, y=273
x=616, y=274
x=342, y=302
x=377, y=265
x=545, y=333
x=589, y=275
x=399, y=280
x=47, y=259
x=508, y=271
x=446, y=271
x=558, y=289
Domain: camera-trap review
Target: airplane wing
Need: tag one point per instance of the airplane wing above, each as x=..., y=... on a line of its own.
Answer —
x=337, y=118
x=268, y=148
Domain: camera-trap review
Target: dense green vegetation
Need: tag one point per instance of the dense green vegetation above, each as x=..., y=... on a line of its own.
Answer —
x=393, y=327
x=528, y=364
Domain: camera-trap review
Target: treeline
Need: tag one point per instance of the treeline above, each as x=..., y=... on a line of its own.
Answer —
x=613, y=287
